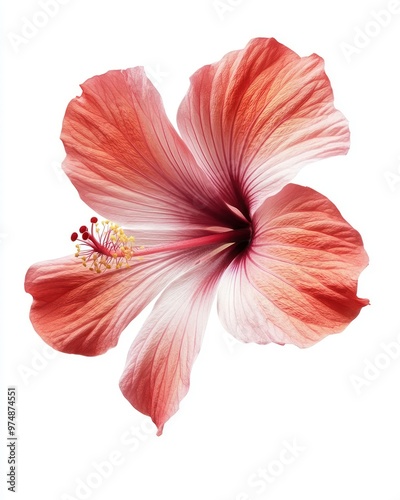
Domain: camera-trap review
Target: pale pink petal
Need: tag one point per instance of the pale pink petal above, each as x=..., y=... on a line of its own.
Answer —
x=157, y=372
x=253, y=119
x=297, y=282
x=78, y=311
x=127, y=161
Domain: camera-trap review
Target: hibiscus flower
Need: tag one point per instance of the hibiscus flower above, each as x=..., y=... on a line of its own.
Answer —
x=210, y=208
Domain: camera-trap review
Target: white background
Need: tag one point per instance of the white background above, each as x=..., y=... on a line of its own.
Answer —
x=245, y=401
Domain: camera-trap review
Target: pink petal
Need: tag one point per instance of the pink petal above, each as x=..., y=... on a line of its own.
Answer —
x=78, y=311
x=298, y=280
x=156, y=376
x=256, y=117
x=127, y=161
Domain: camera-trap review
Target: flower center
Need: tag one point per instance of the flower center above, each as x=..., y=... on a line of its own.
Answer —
x=105, y=246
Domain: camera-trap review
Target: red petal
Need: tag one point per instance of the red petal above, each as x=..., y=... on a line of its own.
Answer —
x=256, y=117
x=156, y=376
x=78, y=311
x=298, y=281
x=127, y=161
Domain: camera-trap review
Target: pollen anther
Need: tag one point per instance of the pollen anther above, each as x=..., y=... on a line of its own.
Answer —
x=104, y=246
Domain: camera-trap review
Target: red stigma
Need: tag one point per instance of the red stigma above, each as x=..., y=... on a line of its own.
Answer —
x=93, y=220
x=74, y=236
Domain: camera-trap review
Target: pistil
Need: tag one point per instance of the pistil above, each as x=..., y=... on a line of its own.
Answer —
x=231, y=236
x=106, y=246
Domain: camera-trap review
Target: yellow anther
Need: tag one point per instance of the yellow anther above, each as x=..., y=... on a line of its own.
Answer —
x=104, y=246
